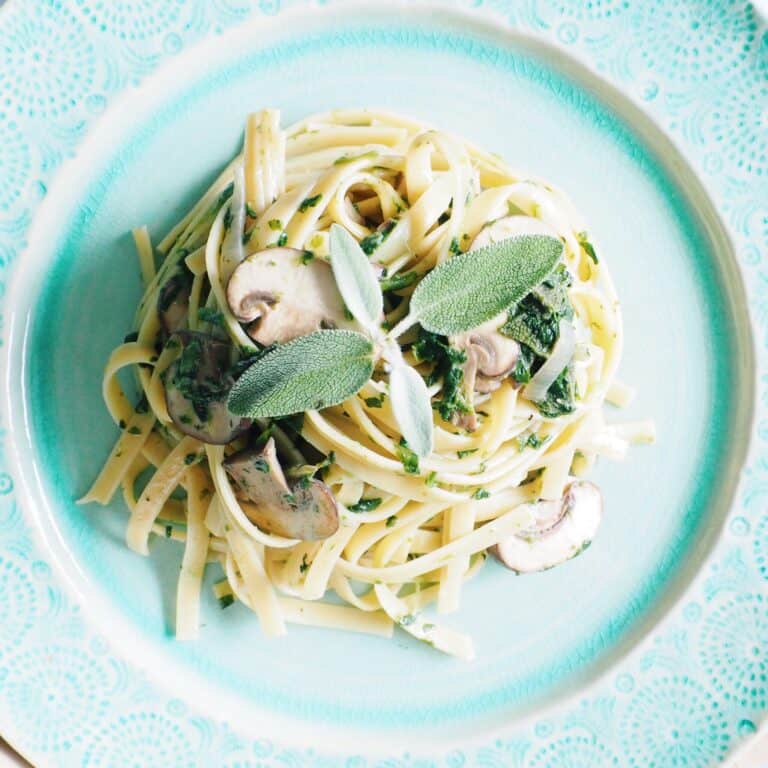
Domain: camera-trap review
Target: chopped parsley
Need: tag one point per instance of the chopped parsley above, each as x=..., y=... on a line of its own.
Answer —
x=467, y=452
x=132, y=336
x=370, y=243
x=454, y=247
x=225, y=601
x=529, y=441
x=560, y=396
x=282, y=240
x=275, y=225
x=535, y=324
x=190, y=458
x=250, y=211
x=208, y=315
x=408, y=458
x=201, y=391
x=306, y=257
x=449, y=366
x=168, y=531
x=122, y=424
x=134, y=431
x=375, y=402
x=398, y=282
x=365, y=505
x=304, y=567
x=431, y=479
x=589, y=249
x=260, y=465
x=309, y=202
x=481, y=493
x=391, y=520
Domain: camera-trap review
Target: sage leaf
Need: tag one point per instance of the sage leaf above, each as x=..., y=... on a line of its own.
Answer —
x=412, y=409
x=355, y=279
x=470, y=288
x=311, y=372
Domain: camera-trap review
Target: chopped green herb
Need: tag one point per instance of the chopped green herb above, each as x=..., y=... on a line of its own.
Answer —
x=132, y=336
x=208, y=315
x=370, y=243
x=466, y=452
x=122, y=424
x=587, y=246
x=134, y=431
x=431, y=479
x=282, y=240
x=225, y=601
x=168, y=531
x=228, y=218
x=247, y=236
x=306, y=257
x=250, y=211
x=454, y=247
x=309, y=202
x=260, y=465
x=409, y=459
x=142, y=406
x=407, y=620
x=481, y=493
x=526, y=441
x=449, y=366
x=398, y=282
x=190, y=458
x=275, y=225
x=560, y=396
x=375, y=402
x=365, y=505
x=391, y=520
x=304, y=567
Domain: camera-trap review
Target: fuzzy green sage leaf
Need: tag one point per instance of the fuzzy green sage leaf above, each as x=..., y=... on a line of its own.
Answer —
x=311, y=372
x=355, y=279
x=470, y=288
x=411, y=407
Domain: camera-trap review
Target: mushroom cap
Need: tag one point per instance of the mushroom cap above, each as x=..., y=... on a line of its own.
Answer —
x=562, y=530
x=305, y=510
x=197, y=385
x=281, y=297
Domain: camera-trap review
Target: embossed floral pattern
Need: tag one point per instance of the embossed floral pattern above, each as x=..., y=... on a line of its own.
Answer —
x=698, y=683
x=674, y=721
x=734, y=650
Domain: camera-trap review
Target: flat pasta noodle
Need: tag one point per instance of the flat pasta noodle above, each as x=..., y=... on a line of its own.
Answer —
x=411, y=532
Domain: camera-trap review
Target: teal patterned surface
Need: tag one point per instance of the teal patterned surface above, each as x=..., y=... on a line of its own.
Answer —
x=699, y=685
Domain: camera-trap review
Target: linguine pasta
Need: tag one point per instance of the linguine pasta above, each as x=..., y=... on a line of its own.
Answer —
x=403, y=531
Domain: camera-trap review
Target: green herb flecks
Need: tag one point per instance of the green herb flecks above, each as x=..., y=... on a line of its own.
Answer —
x=309, y=202
x=398, y=282
x=408, y=458
x=448, y=367
x=587, y=246
x=365, y=505
x=370, y=243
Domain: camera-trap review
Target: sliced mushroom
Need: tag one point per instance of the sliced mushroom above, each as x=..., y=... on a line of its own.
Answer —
x=491, y=356
x=280, y=297
x=305, y=510
x=173, y=301
x=197, y=384
x=563, y=529
x=511, y=226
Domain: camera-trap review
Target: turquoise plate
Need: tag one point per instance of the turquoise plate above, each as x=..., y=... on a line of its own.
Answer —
x=650, y=650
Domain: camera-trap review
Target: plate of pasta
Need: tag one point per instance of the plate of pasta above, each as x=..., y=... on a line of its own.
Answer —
x=378, y=389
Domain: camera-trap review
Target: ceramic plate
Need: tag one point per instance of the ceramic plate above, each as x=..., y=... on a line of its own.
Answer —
x=651, y=649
